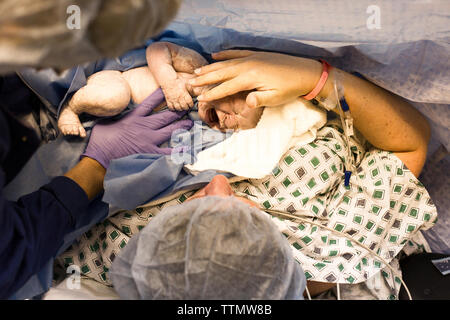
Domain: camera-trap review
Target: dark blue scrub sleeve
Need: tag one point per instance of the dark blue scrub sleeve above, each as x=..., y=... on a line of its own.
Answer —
x=33, y=228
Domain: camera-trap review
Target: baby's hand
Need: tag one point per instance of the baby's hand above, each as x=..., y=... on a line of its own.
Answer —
x=177, y=95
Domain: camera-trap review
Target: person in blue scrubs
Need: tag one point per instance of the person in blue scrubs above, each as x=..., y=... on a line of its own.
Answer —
x=32, y=229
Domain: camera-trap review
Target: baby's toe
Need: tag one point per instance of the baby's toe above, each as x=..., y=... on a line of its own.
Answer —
x=82, y=132
x=64, y=130
x=74, y=130
x=70, y=130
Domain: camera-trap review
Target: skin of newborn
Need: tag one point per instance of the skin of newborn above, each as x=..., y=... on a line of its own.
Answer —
x=108, y=92
x=172, y=66
x=229, y=113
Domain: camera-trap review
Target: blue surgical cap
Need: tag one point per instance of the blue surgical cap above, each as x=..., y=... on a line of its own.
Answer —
x=208, y=248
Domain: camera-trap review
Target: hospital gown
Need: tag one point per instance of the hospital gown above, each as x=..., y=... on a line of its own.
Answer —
x=383, y=208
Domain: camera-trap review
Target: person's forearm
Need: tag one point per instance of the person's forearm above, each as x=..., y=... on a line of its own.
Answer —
x=34, y=228
x=387, y=121
x=89, y=175
x=159, y=60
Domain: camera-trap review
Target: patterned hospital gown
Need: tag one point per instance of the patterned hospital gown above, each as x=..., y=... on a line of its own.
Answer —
x=383, y=208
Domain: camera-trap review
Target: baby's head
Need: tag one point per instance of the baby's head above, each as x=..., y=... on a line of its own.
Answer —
x=230, y=113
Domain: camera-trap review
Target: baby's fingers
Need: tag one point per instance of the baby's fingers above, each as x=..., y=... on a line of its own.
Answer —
x=177, y=106
x=188, y=100
x=184, y=105
x=170, y=105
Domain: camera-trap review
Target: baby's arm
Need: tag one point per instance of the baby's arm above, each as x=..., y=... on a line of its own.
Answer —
x=168, y=62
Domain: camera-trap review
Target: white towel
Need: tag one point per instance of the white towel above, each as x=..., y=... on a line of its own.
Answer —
x=254, y=153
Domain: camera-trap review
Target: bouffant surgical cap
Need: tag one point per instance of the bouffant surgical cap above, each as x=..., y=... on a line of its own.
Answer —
x=64, y=33
x=208, y=248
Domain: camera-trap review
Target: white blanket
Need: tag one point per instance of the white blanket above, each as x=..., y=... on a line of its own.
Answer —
x=254, y=153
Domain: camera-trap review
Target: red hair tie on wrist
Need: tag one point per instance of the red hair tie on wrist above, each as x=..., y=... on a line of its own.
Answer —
x=319, y=86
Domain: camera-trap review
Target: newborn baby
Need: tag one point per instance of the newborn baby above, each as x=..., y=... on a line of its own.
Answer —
x=107, y=93
x=170, y=66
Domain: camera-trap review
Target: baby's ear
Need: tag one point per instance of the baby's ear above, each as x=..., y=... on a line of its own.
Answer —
x=205, y=114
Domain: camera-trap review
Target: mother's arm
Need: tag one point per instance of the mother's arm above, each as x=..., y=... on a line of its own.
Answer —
x=387, y=121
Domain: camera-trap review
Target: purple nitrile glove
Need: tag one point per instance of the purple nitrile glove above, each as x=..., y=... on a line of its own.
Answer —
x=136, y=132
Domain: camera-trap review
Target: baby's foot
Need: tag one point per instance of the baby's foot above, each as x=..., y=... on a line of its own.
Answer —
x=69, y=123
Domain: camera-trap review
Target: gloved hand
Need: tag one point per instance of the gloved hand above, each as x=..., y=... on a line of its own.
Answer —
x=136, y=132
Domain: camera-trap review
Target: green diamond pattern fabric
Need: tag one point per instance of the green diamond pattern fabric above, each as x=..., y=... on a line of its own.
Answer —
x=384, y=208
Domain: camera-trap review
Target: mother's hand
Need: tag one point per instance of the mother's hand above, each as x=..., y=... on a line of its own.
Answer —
x=386, y=120
x=277, y=78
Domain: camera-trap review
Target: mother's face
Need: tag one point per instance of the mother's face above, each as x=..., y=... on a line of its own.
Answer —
x=230, y=113
x=220, y=187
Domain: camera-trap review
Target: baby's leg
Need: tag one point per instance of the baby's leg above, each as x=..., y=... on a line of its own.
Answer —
x=105, y=94
x=141, y=83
